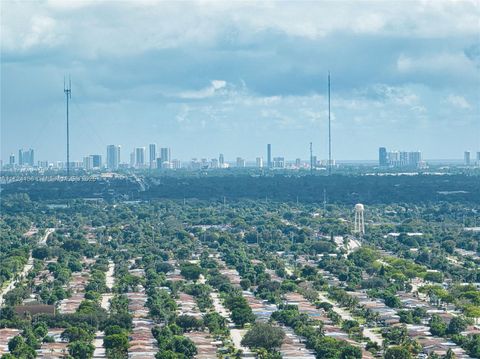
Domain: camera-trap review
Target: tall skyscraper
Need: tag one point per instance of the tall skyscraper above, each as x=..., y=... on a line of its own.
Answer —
x=113, y=157
x=259, y=162
x=132, y=159
x=165, y=154
x=87, y=163
x=140, y=157
x=478, y=158
x=221, y=161
x=269, y=155
x=466, y=158
x=152, y=154
x=11, y=160
x=400, y=158
x=382, y=157
x=26, y=157
x=96, y=161
x=414, y=158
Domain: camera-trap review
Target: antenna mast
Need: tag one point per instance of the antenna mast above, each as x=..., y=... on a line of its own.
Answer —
x=329, y=131
x=68, y=96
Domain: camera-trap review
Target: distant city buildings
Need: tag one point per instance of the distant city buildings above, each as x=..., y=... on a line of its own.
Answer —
x=399, y=159
x=161, y=159
x=278, y=162
x=269, y=155
x=165, y=157
x=139, y=157
x=26, y=157
x=382, y=157
x=92, y=162
x=241, y=162
x=466, y=158
x=221, y=161
x=152, y=155
x=113, y=157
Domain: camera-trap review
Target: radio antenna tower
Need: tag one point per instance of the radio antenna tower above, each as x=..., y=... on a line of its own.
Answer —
x=329, y=131
x=68, y=95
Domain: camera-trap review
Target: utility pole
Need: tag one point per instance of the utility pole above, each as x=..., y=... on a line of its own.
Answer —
x=329, y=131
x=68, y=96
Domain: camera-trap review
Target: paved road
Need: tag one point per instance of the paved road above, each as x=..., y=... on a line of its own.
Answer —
x=105, y=304
x=345, y=315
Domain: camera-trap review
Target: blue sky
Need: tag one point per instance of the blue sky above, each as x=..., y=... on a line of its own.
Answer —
x=213, y=77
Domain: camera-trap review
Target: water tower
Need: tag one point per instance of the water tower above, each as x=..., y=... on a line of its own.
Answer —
x=359, y=219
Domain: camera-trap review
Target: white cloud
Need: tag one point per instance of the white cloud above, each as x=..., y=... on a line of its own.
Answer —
x=206, y=92
x=42, y=32
x=458, y=101
x=137, y=26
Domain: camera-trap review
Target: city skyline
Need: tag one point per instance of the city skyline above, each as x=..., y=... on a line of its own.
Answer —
x=152, y=158
x=400, y=78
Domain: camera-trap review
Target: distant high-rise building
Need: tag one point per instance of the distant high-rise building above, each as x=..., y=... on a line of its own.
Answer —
x=478, y=158
x=87, y=163
x=140, y=157
x=113, y=157
x=152, y=152
x=96, y=161
x=414, y=158
x=466, y=158
x=165, y=154
x=132, y=159
x=400, y=158
x=259, y=162
x=382, y=157
x=269, y=155
x=11, y=160
x=26, y=157
x=240, y=162
x=298, y=163
x=221, y=161
x=314, y=161
x=278, y=162
x=176, y=164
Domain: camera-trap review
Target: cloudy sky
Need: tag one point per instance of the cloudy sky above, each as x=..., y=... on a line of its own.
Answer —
x=213, y=77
